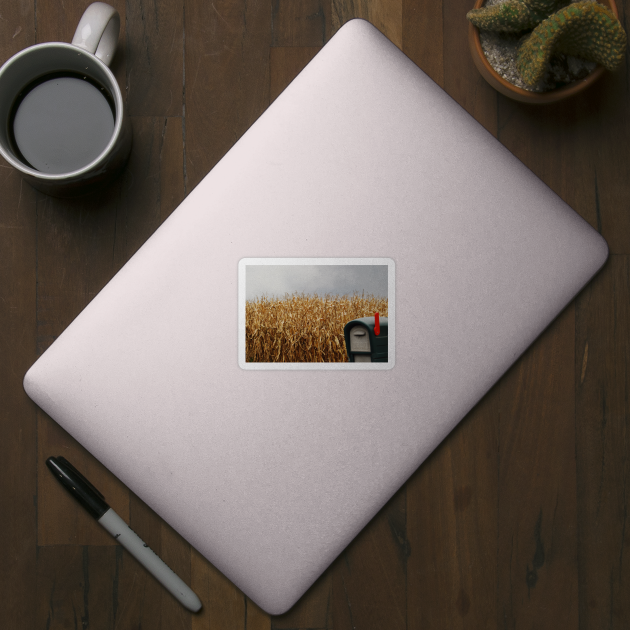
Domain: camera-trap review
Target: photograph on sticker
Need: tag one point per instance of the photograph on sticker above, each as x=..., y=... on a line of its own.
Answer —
x=316, y=313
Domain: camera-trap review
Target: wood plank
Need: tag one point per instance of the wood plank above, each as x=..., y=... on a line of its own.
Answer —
x=176, y=552
x=58, y=23
x=423, y=36
x=558, y=148
x=386, y=15
x=564, y=147
x=285, y=64
x=142, y=600
x=452, y=527
x=154, y=57
x=152, y=185
x=76, y=587
x=369, y=577
x=255, y=618
x=90, y=217
x=55, y=23
x=61, y=520
x=171, y=159
x=578, y=148
x=462, y=80
x=608, y=127
x=537, y=537
x=603, y=468
x=575, y=150
x=18, y=415
x=224, y=606
x=18, y=422
x=74, y=248
x=312, y=610
x=17, y=28
x=226, y=78
x=300, y=22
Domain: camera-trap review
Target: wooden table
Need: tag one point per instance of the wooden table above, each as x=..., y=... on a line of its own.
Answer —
x=518, y=520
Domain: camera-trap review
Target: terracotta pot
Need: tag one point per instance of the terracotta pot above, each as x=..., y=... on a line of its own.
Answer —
x=518, y=94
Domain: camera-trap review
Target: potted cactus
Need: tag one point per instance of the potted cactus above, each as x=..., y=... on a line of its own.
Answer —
x=558, y=49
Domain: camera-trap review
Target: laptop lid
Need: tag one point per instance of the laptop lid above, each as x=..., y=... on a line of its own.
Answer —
x=363, y=169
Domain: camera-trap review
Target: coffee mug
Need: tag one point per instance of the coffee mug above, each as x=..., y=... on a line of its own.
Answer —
x=62, y=114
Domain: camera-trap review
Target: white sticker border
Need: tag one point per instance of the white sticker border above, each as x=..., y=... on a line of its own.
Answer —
x=391, y=319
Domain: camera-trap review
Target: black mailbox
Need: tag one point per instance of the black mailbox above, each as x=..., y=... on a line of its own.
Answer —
x=366, y=340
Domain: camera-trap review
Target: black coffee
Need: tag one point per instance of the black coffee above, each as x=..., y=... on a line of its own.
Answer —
x=61, y=123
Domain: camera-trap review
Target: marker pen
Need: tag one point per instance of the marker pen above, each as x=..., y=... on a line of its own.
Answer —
x=94, y=502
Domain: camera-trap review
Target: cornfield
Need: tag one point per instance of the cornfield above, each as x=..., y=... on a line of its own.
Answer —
x=304, y=328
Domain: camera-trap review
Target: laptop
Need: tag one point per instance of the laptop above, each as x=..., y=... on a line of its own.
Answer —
x=363, y=181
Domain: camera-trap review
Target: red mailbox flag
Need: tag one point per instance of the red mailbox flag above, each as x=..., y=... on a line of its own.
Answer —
x=377, y=325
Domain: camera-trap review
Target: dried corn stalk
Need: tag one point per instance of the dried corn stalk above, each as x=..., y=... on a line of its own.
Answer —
x=304, y=328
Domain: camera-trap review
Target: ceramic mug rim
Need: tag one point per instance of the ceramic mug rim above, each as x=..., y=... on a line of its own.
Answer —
x=114, y=89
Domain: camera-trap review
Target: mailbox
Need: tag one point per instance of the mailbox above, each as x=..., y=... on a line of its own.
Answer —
x=366, y=340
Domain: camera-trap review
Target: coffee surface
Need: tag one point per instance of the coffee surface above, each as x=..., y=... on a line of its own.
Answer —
x=62, y=124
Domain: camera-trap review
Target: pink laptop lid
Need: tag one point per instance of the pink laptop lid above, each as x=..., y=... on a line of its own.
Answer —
x=362, y=169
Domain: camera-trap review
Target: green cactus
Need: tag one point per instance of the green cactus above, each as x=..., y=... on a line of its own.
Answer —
x=513, y=16
x=584, y=29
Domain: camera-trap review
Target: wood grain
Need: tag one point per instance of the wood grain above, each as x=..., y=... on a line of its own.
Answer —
x=452, y=515
x=224, y=606
x=517, y=520
x=537, y=536
x=154, y=57
x=226, y=78
x=151, y=187
x=386, y=15
x=76, y=587
x=422, y=36
x=57, y=22
x=573, y=148
x=285, y=64
x=609, y=134
x=300, y=22
x=18, y=416
x=602, y=380
x=313, y=609
x=61, y=521
x=369, y=577
x=462, y=81
x=146, y=602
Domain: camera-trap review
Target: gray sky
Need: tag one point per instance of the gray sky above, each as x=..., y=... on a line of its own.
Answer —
x=276, y=280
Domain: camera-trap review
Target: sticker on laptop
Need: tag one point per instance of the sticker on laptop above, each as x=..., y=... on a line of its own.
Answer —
x=316, y=313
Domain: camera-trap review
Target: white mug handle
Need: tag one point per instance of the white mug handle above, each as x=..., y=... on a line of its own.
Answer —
x=98, y=31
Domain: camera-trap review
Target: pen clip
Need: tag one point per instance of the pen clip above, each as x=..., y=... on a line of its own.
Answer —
x=70, y=467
